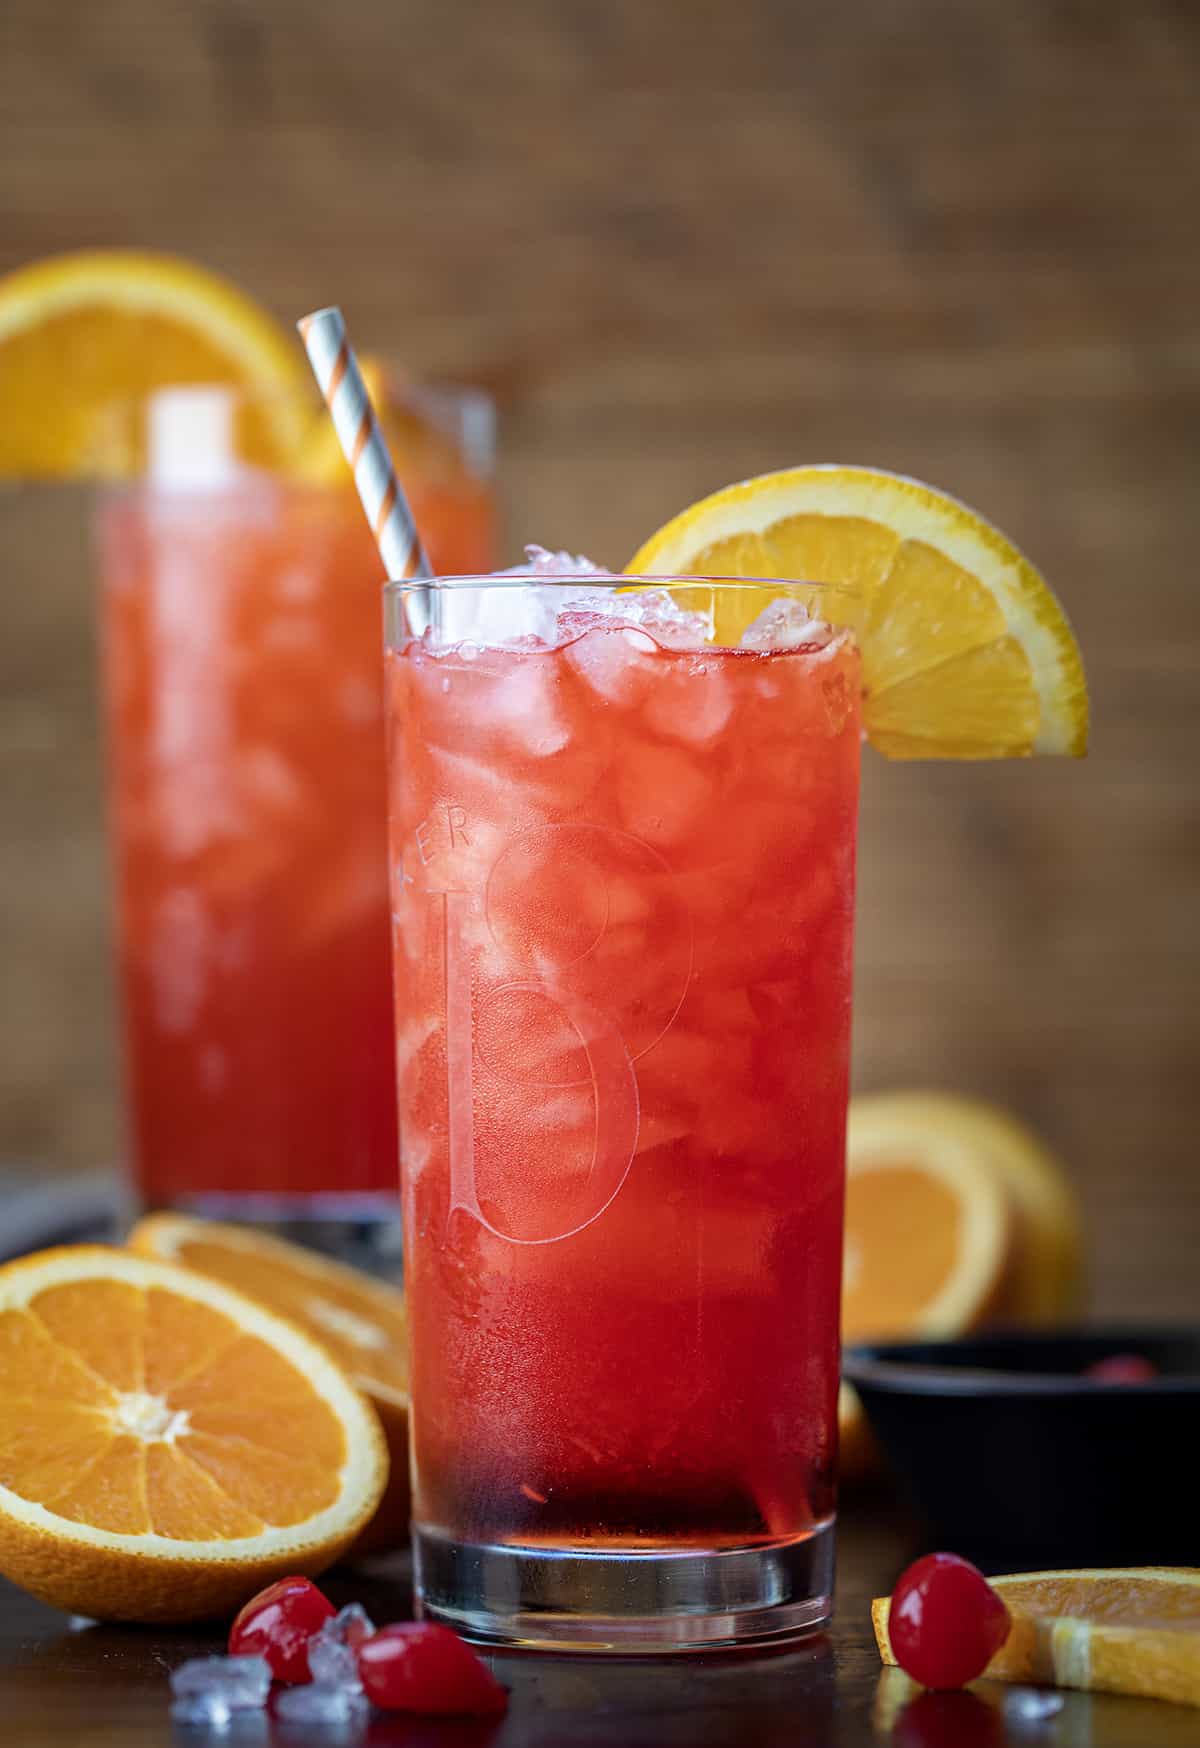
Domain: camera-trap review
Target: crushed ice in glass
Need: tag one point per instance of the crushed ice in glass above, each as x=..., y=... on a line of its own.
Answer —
x=475, y=618
x=1031, y=1705
x=540, y=562
x=655, y=611
x=785, y=624
x=239, y=1683
x=320, y=1703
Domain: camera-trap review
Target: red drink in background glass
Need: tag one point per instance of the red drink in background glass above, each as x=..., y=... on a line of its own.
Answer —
x=241, y=628
x=623, y=889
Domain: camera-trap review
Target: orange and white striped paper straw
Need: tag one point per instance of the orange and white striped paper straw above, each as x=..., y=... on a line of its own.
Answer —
x=363, y=444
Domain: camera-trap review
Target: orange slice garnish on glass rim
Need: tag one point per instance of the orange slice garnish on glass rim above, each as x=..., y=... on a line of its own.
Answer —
x=84, y=332
x=966, y=652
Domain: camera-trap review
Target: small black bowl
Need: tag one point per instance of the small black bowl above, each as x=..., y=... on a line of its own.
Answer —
x=1012, y=1455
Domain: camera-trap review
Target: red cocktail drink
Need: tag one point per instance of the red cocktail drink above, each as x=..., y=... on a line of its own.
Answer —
x=242, y=643
x=623, y=886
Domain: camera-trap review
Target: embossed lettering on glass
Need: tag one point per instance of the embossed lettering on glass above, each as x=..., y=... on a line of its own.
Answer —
x=622, y=878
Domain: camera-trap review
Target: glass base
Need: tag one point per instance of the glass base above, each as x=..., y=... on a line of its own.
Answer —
x=626, y=1602
x=361, y=1229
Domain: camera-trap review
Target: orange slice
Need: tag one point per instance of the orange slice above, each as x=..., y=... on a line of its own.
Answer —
x=359, y=1320
x=80, y=332
x=966, y=653
x=928, y=1228
x=167, y=1446
x=1129, y=1630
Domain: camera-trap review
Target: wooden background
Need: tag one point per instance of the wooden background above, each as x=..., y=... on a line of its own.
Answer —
x=687, y=242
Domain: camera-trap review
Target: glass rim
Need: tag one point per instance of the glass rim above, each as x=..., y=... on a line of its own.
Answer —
x=403, y=384
x=275, y=425
x=563, y=579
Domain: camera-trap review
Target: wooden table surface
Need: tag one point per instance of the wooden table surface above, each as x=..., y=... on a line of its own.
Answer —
x=63, y=1683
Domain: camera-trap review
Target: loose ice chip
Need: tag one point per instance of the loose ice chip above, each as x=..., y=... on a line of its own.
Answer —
x=785, y=624
x=201, y=1721
x=320, y=1703
x=240, y=1682
x=331, y=1651
x=351, y=1625
x=1026, y=1707
x=207, y=1711
x=332, y=1663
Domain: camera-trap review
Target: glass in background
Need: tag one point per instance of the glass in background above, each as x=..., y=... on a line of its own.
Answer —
x=241, y=613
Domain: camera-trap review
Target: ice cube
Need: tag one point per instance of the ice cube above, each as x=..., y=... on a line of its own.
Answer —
x=239, y=1682
x=785, y=624
x=540, y=562
x=524, y=707
x=615, y=660
x=1030, y=1706
x=662, y=795
x=332, y=1663
x=199, y=1722
x=691, y=702
x=331, y=1657
x=501, y=615
x=206, y=1711
x=352, y=1624
x=668, y=622
x=656, y=611
x=497, y=615
x=320, y=1702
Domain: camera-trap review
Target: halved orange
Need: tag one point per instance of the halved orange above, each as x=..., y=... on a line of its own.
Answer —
x=1042, y=1269
x=1129, y=1630
x=929, y=1227
x=167, y=1446
x=966, y=653
x=1044, y=1279
x=361, y=1322
x=82, y=331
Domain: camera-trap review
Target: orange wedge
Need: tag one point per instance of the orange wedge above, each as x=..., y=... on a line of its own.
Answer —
x=360, y=1321
x=83, y=331
x=1132, y=1630
x=928, y=1228
x=167, y=1446
x=1044, y=1281
x=966, y=653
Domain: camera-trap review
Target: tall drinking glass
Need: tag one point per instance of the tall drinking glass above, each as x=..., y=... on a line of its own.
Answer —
x=240, y=620
x=622, y=889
